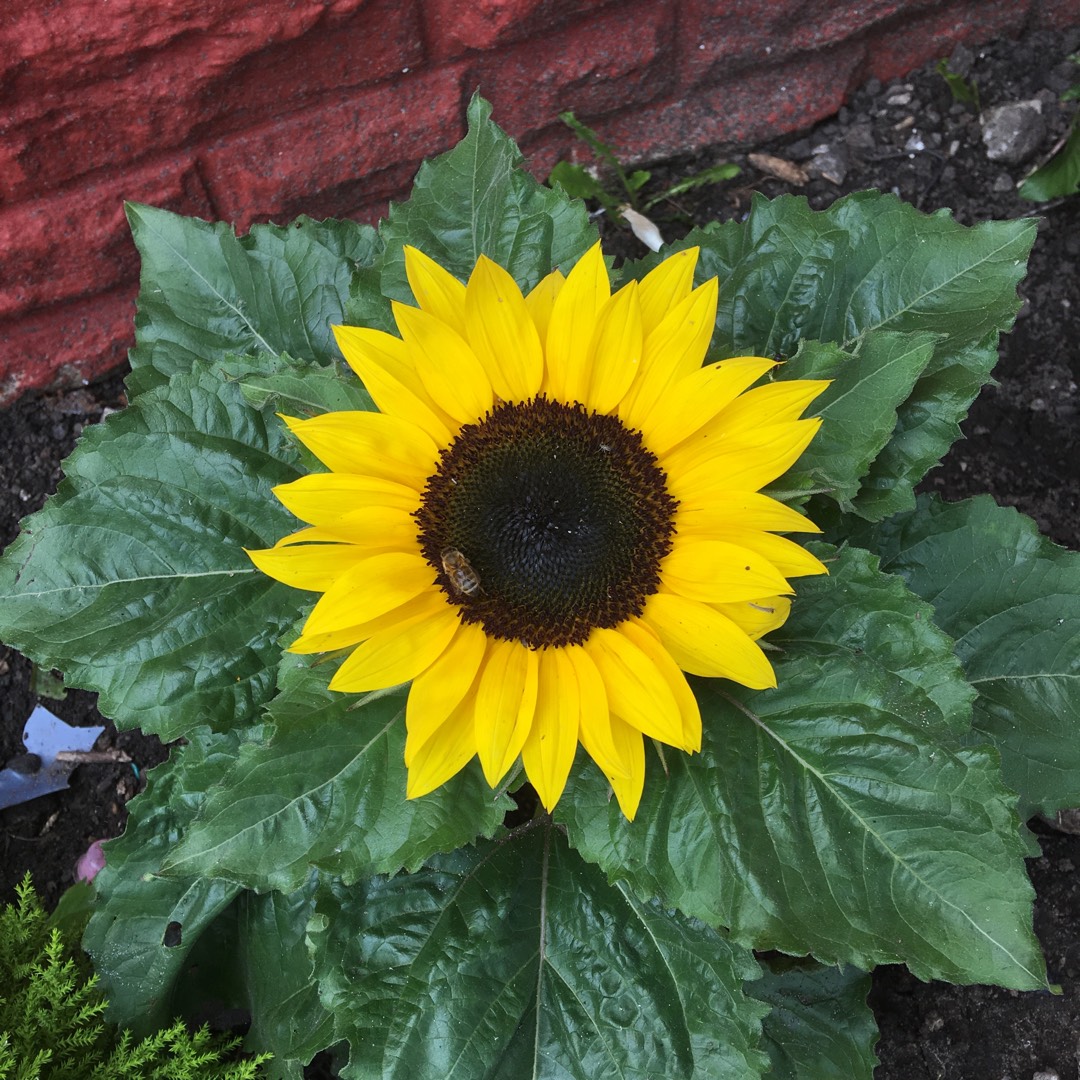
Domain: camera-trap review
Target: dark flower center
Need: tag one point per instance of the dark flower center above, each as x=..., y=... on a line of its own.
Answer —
x=544, y=521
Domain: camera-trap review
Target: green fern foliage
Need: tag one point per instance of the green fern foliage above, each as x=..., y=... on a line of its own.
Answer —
x=52, y=1024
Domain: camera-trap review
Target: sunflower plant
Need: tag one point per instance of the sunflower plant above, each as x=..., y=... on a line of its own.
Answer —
x=564, y=677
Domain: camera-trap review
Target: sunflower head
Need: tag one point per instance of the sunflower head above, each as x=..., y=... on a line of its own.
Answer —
x=555, y=514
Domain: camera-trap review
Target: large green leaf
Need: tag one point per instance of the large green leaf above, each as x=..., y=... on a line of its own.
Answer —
x=868, y=263
x=833, y=814
x=206, y=293
x=859, y=408
x=1011, y=599
x=133, y=579
x=474, y=200
x=145, y=927
x=820, y=1027
x=515, y=958
x=295, y=387
x=328, y=790
x=270, y=949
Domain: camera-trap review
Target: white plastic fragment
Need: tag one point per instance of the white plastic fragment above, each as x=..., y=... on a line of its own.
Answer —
x=643, y=228
x=43, y=768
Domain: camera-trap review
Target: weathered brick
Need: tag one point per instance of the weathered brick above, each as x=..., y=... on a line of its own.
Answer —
x=717, y=40
x=544, y=149
x=78, y=42
x=748, y=106
x=360, y=143
x=75, y=242
x=66, y=344
x=1056, y=14
x=622, y=56
x=454, y=28
x=225, y=74
x=893, y=53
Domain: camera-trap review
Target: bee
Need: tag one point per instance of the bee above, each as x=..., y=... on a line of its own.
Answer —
x=464, y=580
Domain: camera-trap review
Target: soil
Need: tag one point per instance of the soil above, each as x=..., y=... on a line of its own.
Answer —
x=1022, y=444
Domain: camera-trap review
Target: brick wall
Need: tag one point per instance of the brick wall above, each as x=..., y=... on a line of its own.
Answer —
x=250, y=110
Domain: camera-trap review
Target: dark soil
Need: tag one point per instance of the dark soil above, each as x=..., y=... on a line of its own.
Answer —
x=1022, y=445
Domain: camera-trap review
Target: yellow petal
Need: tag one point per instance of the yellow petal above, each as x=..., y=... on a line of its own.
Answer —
x=314, y=567
x=322, y=498
x=614, y=356
x=595, y=733
x=789, y=558
x=427, y=605
x=437, y=691
x=378, y=529
x=369, y=443
x=447, y=366
x=739, y=509
x=698, y=471
x=642, y=635
x=717, y=572
x=672, y=351
x=445, y=755
x=372, y=587
x=542, y=299
x=505, y=705
x=371, y=530
x=502, y=332
x=396, y=656
x=666, y=286
x=759, y=617
x=631, y=750
x=690, y=403
x=785, y=399
x=437, y=291
x=703, y=641
x=573, y=320
x=381, y=362
x=636, y=690
x=549, y=749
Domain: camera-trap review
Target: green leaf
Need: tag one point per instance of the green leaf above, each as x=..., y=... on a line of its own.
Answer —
x=287, y=1018
x=820, y=1027
x=206, y=293
x=1060, y=176
x=295, y=387
x=515, y=958
x=714, y=175
x=833, y=814
x=138, y=911
x=1011, y=599
x=859, y=408
x=474, y=200
x=578, y=182
x=328, y=790
x=870, y=263
x=133, y=579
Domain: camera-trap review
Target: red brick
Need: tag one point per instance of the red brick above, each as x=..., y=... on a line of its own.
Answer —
x=544, y=149
x=1056, y=14
x=72, y=243
x=82, y=41
x=900, y=48
x=454, y=28
x=336, y=150
x=717, y=41
x=747, y=107
x=66, y=344
x=623, y=56
x=227, y=73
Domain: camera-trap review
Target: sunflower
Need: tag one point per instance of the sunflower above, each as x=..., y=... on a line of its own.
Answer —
x=554, y=515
